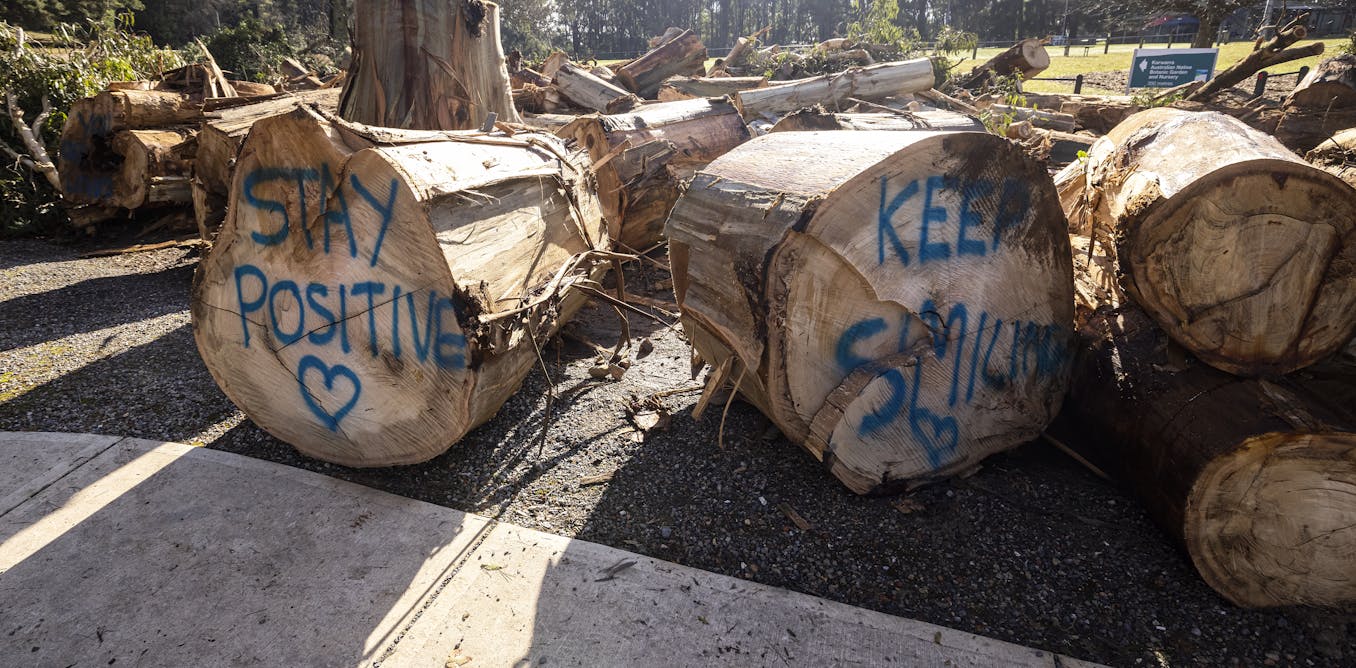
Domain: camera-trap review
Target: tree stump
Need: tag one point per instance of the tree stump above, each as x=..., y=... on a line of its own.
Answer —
x=426, y=64
x=374, y=294
x=1253, y=476
x=902, y=309
x=642, y=157
x=1331, y=85
x=1242, y=252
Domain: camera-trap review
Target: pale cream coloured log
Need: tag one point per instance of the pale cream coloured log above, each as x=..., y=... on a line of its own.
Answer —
x=374, y=294
x=902, y=308
x=832, y=90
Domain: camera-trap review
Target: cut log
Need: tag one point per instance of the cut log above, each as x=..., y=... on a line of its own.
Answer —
x=549, y=122
x=1254, y=477
x=642, y=157
x=683, y=88
x=670, y=34
x=1096, y=113
x=375, y=293
x=1267, y=53
x=831, y=90
x=1039, y=118
x=590, y=92
x=684, y=54
x=1338, y=156
x=816, y=118
x=895, y=352
x=89, y=161
x=525, y=76
x=1331, y=85
x=1242, y=252
x=427, y=64
x=220, y=138
x=1026, y=58
x=154, y=168
x=252, y=89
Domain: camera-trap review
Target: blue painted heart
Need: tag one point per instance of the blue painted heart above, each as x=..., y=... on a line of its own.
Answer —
x=941, y=443
x=328, y=374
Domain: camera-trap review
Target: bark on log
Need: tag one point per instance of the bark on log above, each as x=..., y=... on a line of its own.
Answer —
x=551, y=123
x=220, y=138
x=376, y=293
x=902, y=350
x=1040, y=118
x=1026, y=58
x=525, y=76
x=1254, y=477
x=642, y=158
x=590, y=92
x=1242, y=252
x=427, y=64
x=816, y=118
x=829, y=90
x=684, y=54
x=683, y=88
x=1331, y=85
x=1338, y=156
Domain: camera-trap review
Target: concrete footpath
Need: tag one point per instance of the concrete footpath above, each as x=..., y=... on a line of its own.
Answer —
x=130, y=552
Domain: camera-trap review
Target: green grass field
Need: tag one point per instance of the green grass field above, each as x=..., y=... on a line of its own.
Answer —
x=1119, y=59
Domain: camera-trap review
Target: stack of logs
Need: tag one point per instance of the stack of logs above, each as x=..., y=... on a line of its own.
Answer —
x=1216, y=287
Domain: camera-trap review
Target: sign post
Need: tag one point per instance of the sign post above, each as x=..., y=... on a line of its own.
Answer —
x=1165, y=68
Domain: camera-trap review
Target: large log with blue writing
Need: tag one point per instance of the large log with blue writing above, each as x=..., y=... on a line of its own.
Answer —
x=902, y=309
x=1254, y=477
x=374, y=293
x=1242, y=252
x=427, y=64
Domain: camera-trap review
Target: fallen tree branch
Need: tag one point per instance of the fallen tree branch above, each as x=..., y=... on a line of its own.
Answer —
x=37, y=158
x=1271, y=52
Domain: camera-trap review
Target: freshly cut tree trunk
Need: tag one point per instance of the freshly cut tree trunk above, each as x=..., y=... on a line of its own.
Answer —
x=684, y=54
x=1242, y=252
x=1026, y=58
x=590, y=92
x=816, y=118
x=642, y=158
x=89, y=161
x=374, y=294
x=682, y=88
x=220, y=138
x=1331, y=85
x=427, y=64
x=832, y=90
x=902, y=309
x=1255, y=477
x=1046, y=120
x=155, y=168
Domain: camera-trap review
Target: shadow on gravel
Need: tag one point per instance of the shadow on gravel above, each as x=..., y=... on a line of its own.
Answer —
x=93, y=304
x=158, y=390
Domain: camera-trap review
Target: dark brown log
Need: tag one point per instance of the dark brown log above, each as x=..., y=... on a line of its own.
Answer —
x=1254, y=477
x=901, y=309
x=1026, y=58
x=1273, y=51
x=643, y=156
x=427, y=64
x=376, y=293
x=1242, y=252
x=684, y=54
x=1331, y=85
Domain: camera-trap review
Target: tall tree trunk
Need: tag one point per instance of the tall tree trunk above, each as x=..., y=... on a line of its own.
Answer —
x=1205, y=34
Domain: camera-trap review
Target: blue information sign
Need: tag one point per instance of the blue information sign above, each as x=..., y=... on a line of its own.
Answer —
x=1165, y=68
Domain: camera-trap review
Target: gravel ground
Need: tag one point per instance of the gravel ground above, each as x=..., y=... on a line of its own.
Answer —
x=1031, y=549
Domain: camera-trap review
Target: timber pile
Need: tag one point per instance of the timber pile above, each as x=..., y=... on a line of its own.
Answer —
x=1252, y=476
x=643, y=157
x=1331, y=85
x=897, y=351
x=1243, y=253
x=376, y=293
